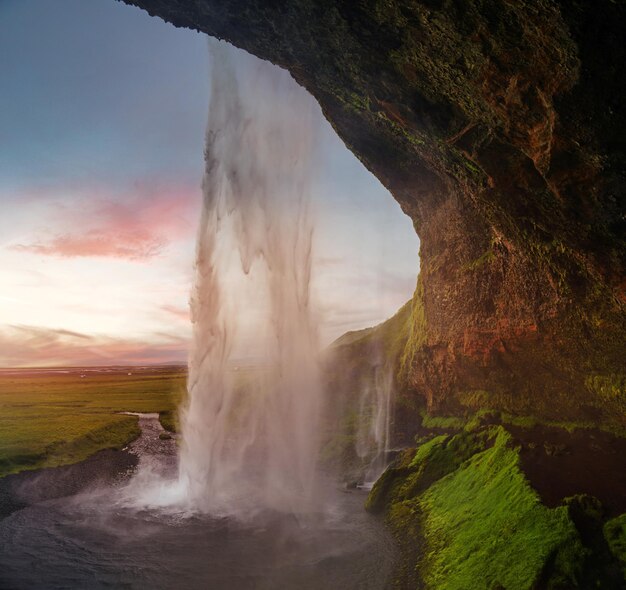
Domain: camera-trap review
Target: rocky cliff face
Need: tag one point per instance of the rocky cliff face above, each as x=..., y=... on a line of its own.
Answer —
x=499, y=126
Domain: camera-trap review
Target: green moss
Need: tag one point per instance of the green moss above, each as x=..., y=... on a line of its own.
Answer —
x=611, y=388
x=416, y=469
x=447, y=422
x=484, y=259
x=485, y=527
x=417, y=334
x=383, y=490
x=465, y=503
x=439, y=457
x=472, y=167
x=483, y=405
x=425, y=450
x=481, y=399
x=406, y=521
x=615, y=534
x=352, y=100
x=412, y=137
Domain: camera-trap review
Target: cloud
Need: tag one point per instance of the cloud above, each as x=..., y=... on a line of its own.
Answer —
x=182, y=313
x=168, y=337
x=328, y=261
x=135, y=227
x=48, y=333
x=40, y=346
x=98, y=243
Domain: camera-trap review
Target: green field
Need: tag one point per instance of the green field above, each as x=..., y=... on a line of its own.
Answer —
x=51, y=418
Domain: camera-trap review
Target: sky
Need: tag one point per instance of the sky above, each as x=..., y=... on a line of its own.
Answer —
x=102, y=119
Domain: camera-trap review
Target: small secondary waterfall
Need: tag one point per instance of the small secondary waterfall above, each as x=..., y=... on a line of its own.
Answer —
x=374, y=421
x=251, y=440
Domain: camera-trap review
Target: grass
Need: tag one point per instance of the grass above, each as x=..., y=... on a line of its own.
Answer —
x=51, y=419
x=169, y=420
x=466, y=518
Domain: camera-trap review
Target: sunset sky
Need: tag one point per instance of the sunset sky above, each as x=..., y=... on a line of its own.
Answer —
x=102, y=117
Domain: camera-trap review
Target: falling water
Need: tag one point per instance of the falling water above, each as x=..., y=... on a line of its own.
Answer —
x=374, y=420
x=253, y=444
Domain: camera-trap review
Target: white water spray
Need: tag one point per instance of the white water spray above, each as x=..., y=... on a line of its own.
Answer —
x=374, y=422
x=253, y=444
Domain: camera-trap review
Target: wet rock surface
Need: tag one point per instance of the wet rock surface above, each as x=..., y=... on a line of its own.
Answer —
x=560, y=464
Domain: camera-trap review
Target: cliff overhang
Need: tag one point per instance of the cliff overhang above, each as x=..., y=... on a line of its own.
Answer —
x=500, y=129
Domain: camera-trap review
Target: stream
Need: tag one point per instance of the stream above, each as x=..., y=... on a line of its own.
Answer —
x=88, y=540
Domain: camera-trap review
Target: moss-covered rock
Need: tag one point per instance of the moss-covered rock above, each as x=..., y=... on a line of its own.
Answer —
x=615, y=533
x=466, y=517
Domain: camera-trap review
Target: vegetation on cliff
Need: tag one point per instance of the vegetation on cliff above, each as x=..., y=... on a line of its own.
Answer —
x=466, y=517
x=615, y=532
x=490, y=498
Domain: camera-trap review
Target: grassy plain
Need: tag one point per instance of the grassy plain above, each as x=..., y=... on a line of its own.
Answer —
x=50, y=418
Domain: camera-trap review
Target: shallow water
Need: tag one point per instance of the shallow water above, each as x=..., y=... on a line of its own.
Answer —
x=90, y=541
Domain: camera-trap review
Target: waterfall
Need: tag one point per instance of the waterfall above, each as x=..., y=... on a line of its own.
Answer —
x=250, y=437
x=374, y=419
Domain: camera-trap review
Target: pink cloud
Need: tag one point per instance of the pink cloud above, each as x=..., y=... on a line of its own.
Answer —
x=98, y=243
x=38, y=346
x=178, y=312
x=133, y=227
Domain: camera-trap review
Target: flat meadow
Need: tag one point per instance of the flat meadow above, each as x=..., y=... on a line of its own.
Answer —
x=51, y=417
